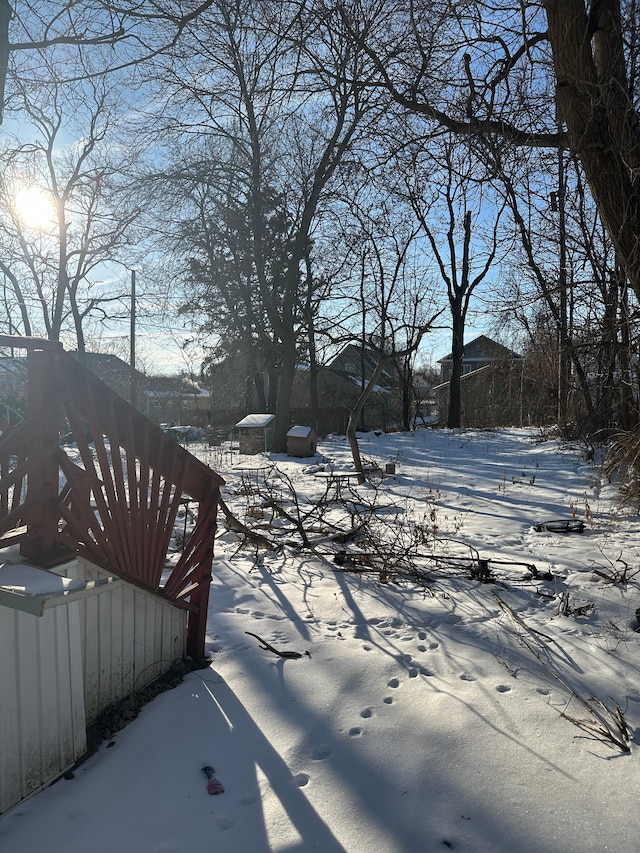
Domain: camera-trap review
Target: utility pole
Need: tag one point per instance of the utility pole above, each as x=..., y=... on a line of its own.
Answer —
x=6, y=13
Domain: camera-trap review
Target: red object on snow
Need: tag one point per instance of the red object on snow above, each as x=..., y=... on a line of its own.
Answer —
x=214, y=786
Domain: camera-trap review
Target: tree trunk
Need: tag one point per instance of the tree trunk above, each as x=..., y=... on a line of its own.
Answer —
x=283, y=400
x=454, y=418
x=628, y=408
x=564, y=358
x=607, y=357
x=353, y=444
x=355, y=414
x=313, y=394
x=407, y=393
x=602, y=124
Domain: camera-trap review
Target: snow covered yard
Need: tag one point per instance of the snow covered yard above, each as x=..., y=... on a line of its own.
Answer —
x=420, y=716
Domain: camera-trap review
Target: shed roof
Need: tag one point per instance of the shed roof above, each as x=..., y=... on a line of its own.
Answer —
x=256, y=421
x=33, y=590
x=300, y=432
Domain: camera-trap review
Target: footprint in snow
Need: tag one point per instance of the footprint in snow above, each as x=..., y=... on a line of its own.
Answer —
x=503, y=688
x=320, y=753
x=366, y=713
x=224, y=823
x=393, y=683
x=301, y=779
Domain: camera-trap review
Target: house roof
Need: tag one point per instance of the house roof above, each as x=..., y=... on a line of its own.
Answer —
x=483, y=348
x=257, y=421
x=364, y=359
x=105, y=364
x=170, y=387
x=466, y=377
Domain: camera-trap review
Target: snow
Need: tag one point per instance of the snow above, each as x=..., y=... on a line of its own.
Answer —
x=31, y=580
x=256, y=420
x=419, y=717
x=299, y=431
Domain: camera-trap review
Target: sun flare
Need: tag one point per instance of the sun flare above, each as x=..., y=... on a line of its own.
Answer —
x=35, y=209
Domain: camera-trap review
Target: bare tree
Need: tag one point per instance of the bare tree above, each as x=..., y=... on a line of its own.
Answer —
x=391, y=304
x=54, y=266
x=468, y=257
x=482, y=74
x=93, y=29
x=567, y=270
x=285, y=96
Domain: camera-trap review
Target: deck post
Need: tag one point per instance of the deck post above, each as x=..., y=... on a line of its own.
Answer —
x=42, y=486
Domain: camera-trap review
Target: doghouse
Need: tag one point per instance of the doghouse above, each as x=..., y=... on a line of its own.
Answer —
x=302, y=441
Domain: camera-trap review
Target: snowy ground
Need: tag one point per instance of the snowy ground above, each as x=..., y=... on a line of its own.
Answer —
x=419, y=718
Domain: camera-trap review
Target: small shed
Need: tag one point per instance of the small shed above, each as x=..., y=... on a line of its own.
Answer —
x=73, y=640
x=43, y=714
x=302, y=441
x=255, y=433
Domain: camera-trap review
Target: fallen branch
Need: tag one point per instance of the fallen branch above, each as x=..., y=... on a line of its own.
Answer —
x=234, y=523
x=269, y=648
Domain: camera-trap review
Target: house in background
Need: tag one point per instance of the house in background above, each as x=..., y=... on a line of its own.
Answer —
x=163, y=399
x=115, y=372
x=495, y=388
x=479, y=353
x=340, y=383
x=233, y=385
x=357, y=364
x=175, y=400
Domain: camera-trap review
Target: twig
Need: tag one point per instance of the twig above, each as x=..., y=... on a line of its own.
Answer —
x=604, y=731
x=508, y=610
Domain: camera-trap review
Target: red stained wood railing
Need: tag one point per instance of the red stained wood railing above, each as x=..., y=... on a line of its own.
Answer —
x=112, y=494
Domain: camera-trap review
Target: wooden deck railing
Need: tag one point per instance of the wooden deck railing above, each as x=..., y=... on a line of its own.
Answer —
x=111, y=493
